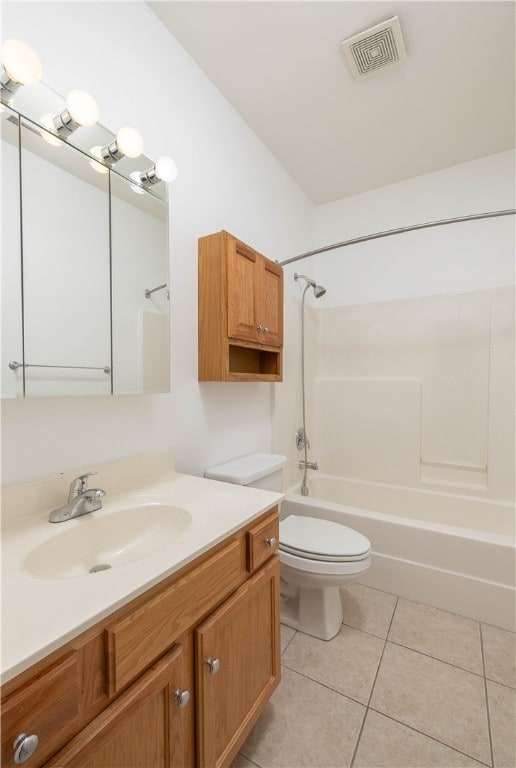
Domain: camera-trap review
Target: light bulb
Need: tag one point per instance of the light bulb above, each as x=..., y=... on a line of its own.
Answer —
x=47, y=121
x=129, y=142
x=99, y=167
x=82, y=108
x=166, y=169
x=21, y=63
x=135, y=176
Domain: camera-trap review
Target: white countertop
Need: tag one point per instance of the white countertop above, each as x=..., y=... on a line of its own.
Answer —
x=39, y=613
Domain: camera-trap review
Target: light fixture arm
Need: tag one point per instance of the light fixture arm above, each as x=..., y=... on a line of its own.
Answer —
x=8, y=87
x=111, y=153
x=64, y=124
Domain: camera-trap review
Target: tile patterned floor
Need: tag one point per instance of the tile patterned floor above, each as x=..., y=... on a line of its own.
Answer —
x=402, y=685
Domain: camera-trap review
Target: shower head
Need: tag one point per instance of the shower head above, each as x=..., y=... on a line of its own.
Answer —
x=318, y=289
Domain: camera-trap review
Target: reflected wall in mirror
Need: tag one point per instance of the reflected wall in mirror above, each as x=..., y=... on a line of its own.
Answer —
x=12, y=339
x=66, y=281
x=139, y=256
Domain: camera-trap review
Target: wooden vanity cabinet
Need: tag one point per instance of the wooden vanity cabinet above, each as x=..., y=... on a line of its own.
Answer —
x=240, y=312
x=241, y=639
x=145, y=726
x=114, y=697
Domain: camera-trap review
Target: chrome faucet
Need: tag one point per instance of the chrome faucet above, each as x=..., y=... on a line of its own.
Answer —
x=81, y=500
x=308, y=464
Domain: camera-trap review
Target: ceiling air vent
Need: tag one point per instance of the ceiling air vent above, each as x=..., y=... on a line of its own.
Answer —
x=375, y=50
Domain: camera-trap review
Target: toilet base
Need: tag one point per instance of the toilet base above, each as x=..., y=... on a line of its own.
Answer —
x=316, y=612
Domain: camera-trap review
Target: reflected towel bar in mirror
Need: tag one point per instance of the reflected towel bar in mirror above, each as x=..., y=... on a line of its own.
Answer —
x=148, y=291
x=13, y=365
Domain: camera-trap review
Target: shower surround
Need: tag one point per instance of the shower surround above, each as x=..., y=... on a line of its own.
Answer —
x=410, y=414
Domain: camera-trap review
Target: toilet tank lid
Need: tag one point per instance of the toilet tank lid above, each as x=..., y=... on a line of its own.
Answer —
x=247, y=469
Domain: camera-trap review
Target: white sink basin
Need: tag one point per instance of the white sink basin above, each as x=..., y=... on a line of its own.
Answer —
x=111, y=540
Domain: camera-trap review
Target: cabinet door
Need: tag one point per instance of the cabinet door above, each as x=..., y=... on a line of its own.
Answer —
x=144, y=727
x=243, y=637
x=270, y=302
x=241, y=277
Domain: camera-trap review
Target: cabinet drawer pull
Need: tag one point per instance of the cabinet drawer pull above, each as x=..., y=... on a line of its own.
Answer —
x=213, y=666
x=182, y=698
x=24, y=747
x=271, y=542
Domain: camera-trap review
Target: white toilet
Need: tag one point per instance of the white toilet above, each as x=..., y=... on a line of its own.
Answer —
x=316, y=555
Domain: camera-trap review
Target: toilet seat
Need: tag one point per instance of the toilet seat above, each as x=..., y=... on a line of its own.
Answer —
x=321, y=540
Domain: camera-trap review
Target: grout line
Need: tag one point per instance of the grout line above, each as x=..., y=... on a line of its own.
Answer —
x=371, y=634
x=504, y=685
x=287, y=645
x=324, y=685
x=432, y=738
x=373, y=685
x=249, y=760
x=486, y=697
x=435, y=658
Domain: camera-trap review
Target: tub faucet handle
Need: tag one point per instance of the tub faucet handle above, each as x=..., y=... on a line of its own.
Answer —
x=301, y=439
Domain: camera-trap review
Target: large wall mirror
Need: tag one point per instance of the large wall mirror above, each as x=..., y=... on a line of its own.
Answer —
x=85, y=268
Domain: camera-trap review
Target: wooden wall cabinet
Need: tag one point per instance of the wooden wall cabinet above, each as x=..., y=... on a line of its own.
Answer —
x=240, y=312
x=115, y=696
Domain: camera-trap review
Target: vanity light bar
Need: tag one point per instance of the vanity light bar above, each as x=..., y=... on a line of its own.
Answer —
x=22, y=66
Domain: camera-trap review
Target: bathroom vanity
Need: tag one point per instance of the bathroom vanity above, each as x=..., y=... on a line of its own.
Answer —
x=175, y=676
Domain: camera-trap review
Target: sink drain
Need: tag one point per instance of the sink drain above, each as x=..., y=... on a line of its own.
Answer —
x=101, y=567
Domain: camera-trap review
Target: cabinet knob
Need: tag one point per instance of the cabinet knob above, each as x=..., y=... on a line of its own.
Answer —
x=266, y=330
x=182, y=698
x=271, y=542
x=24, y=747
x=213, y=666
x=260, y=327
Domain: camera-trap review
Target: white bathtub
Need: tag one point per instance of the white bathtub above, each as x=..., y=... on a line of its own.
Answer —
x=453, y=552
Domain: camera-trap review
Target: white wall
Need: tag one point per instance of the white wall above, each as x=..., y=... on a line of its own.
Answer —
x=458, y=257
x=141, y=76
x=410, y=354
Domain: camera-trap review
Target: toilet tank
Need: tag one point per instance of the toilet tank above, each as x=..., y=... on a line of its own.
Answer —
x=258, y=470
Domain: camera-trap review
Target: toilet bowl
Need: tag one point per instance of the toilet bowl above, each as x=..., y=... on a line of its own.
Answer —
x=317, y=556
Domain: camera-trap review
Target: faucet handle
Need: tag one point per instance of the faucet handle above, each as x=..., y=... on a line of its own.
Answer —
x=79, y=485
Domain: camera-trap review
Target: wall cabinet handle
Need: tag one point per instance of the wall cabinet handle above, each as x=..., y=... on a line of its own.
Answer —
x=182, y=698
x=271, y=542
x=213, y=666
x=24, y=747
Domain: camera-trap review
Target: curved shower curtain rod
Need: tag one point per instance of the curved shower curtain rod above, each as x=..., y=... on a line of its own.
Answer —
x=399, y=231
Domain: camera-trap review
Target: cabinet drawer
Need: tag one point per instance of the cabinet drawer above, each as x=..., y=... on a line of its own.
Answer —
x=48, y=707
x=144, y=635
x=262, y=541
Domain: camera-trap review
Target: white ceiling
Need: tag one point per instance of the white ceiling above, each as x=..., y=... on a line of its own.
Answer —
x=281, y=66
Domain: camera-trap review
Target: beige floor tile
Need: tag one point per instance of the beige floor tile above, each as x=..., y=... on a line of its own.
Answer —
x=502, y=713
x=440, y=634
x=305, y=725
x=499, y=654
x=367, y=609
x=387, y=744
x=287, y=633
x=348, y=663
x=436, y=698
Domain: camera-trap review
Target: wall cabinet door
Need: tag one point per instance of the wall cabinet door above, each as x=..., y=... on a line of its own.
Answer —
x=237, y=666
x=144, y=727
x=242, y=265
x=270, y=295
